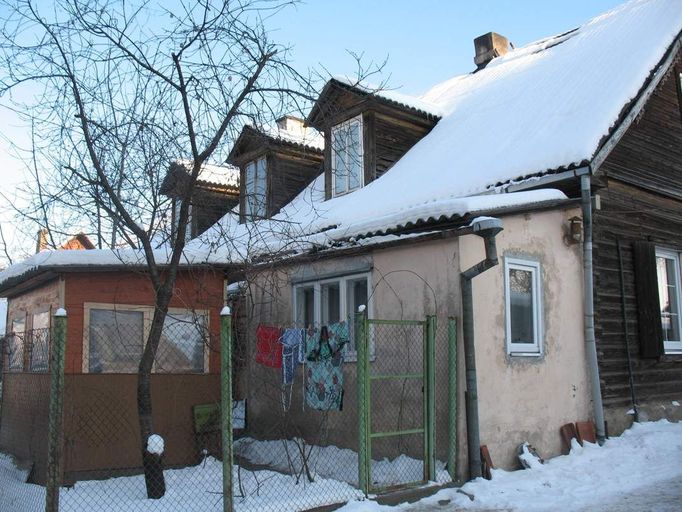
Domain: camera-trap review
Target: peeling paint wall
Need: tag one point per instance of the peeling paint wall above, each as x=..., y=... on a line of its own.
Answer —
x=521, y=398
x=529, y=398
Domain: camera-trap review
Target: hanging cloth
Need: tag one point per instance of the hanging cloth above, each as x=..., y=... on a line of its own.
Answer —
x=292, y=340
x=324, y=386
x=268, y=348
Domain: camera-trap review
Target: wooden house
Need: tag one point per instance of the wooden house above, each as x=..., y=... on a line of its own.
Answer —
x=573, y=143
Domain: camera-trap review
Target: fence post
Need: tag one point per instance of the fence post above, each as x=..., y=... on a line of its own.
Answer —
x=452, y=398
x=54, y=435
x=364, y=468
x=431, y=396
x=226, y=403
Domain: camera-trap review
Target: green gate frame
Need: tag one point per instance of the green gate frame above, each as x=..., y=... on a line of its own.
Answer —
x=365, y=379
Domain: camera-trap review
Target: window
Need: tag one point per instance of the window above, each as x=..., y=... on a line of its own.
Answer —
x=255, y=204
x=177, y=204
x=329, y=301
x=115, y=336
x=16, y=344
x=347, y=157
x=40, y=342
x=668, y=278
x=523, y=307
x=181, y=348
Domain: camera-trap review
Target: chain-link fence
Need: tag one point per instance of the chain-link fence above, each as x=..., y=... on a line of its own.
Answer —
x=301, y=447
x=303, y=437
x=24, y=417
x=100, y=461
x=301, y=441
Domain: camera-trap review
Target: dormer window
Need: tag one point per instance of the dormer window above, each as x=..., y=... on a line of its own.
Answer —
x=255, y=203
x=347, y=156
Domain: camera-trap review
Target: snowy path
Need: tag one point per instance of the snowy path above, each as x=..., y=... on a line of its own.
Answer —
x=663, y=497
x=638, y=471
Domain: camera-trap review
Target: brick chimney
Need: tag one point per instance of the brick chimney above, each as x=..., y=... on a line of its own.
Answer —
x=41, y=242
x=488, y=46
x=291, y=124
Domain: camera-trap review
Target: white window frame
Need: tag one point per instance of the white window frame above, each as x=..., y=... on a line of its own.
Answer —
x=673, y=346
x=534, y=347
x=147, y=315
x=21, y=336
x=177, y=204
x=345, y=126
x=344, y=314
x=256, y=207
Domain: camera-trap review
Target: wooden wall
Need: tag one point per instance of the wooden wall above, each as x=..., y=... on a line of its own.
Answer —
x=642, y=201
x=101, y=435
x=289, y=172
x=194, y=289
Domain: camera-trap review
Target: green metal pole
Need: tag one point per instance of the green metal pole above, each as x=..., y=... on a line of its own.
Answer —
x=226, y=403
x=54, y=445
x=431, y=395
x=363, y=386
x=452, y=397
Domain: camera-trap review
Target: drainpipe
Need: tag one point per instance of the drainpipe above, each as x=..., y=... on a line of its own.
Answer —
x=590, y=344
x=487, y=229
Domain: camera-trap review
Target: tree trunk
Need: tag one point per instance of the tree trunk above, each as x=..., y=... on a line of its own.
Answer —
x=152, y=463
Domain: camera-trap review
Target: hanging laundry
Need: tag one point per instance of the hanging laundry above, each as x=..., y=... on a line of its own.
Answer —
x=339, y=334
x=268, y=348
x=324, y=386
x=292, y=341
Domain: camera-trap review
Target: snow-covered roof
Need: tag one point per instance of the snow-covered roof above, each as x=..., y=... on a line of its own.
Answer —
x=221, y=175
x=546, y=106
x=305, y=136
x=372, y=213
x=393, y=96
x=541, y=107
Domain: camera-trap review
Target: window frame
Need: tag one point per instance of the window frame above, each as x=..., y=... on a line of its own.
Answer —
x=33, y=365
x=18, y=337
x=343, y=126
x=177, y=204
x=147, y=315
x=249, y=196
x=672, y=346
x=534, y=348
x=350, y=355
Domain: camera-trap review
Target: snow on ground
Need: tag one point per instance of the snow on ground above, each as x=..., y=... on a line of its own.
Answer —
x=197, y=488
x=641, y=470
x=632, y=472
x=333, y=462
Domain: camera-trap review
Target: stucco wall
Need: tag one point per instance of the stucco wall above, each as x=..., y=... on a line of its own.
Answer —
x=521, y=398
x=529, y=398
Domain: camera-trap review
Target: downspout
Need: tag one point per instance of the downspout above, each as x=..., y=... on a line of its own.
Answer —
x=590, y=344
x=487, y=229
x=624, y=313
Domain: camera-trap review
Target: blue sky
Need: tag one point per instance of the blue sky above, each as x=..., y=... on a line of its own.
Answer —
x=425, y=42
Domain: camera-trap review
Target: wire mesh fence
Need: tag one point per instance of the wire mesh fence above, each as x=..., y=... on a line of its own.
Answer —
x=23, y=426
x=299, y=449
x=101, y=457
x=301, y=436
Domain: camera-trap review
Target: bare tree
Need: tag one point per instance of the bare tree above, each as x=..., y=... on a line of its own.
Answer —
x=116, y=90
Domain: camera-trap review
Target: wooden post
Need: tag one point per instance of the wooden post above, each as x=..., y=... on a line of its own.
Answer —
x=452, y=398
x=54, y=435
x=226, y=403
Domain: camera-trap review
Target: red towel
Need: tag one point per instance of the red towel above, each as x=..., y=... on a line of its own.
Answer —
x=268, y=347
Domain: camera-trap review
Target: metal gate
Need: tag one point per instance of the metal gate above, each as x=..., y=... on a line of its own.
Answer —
x=396, y=401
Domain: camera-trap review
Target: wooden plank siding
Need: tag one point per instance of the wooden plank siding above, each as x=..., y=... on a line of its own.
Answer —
x=641, y=200
x=386, y=138
x=289, y=172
